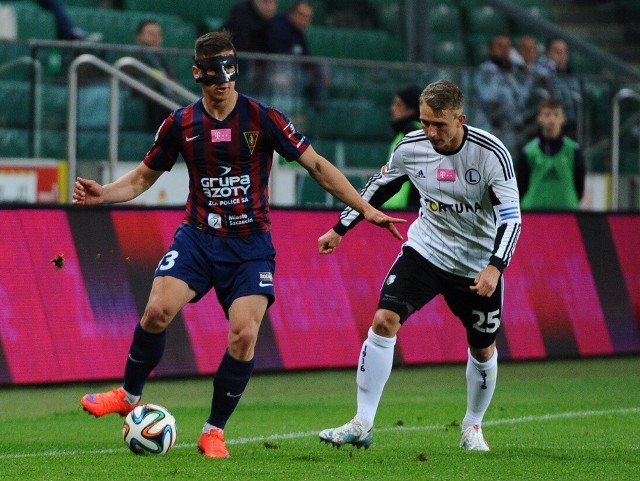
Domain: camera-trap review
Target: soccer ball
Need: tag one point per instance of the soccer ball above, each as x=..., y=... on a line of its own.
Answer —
x=149, y=429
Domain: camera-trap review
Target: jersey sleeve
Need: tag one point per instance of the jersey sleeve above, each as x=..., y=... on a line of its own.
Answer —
x=506, y=208
x=287, y=141
x=166, y=145
x=379, y=188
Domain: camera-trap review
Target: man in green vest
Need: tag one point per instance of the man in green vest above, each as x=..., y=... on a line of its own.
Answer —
x=405, y=117
x=551, y=169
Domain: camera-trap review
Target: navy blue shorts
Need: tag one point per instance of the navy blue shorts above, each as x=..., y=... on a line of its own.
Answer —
x=413, y=281
x=234, y=266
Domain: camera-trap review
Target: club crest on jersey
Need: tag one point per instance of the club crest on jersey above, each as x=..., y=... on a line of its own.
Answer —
x=252, y=139
x=472, y=176
x=446, y=175
x=221, y=135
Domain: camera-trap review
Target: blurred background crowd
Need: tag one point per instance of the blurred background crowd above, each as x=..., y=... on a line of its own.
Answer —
x=337, y=69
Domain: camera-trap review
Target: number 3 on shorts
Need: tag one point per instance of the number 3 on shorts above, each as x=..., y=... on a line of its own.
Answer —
x=487, y=323
x=168, y=261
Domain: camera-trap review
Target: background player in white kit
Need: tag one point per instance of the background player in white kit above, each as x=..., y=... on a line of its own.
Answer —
x=462, y=240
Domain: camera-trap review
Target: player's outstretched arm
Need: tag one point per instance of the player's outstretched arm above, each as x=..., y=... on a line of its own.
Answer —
x=127, y=187
x=87, y=192
x=329, y=177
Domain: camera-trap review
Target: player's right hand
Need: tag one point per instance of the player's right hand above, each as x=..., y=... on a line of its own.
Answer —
x=380, y=219
x=328, y=242
x=87, y=192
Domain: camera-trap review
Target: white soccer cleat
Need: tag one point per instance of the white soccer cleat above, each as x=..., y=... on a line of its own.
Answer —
x=351, y=433
x=473, y=440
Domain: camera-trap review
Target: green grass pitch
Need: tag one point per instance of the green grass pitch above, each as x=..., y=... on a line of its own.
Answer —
x=557, y=420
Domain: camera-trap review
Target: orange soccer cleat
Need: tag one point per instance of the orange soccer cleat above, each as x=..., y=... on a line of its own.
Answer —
x=212, y=444
x=109, y=402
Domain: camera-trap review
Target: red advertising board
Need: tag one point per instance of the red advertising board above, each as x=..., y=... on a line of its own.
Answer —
x=573, y=289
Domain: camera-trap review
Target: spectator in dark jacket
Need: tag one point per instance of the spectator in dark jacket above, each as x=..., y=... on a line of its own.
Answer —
x=249, y=23
x=287, y=36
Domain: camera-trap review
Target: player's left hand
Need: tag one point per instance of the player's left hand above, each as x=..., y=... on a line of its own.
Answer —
x=382, y=220
x=486, y=281
x=328, y=242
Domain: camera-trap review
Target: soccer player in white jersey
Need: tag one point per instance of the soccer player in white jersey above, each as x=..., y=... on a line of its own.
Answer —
x=459, y=246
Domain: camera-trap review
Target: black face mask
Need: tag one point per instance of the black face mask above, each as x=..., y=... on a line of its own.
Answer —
x=224, y=66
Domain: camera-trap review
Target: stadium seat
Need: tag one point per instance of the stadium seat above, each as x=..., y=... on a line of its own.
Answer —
x=350, y=120
x=194, y=12
x=353, y=43
x=367, y=154
x=133, y=112
x=33, y=21
x=54, y=144
x=539, y=11
x=54, y=106
x=119, y=26
x=92, y=145
x=310, y=194
x=583, y=64
x=15, y=142
x=450, y=52
x=10, y=52
x=15, y=111
x=445, y=21
x=387, y=15
x=478, y=46
x=134, y=145
x=85, y=3
x=213, y=24
x=486, y=19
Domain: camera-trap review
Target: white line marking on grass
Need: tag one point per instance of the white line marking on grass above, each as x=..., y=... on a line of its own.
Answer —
x=279, y=437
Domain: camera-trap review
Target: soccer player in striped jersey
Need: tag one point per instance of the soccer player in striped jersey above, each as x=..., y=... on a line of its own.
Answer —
x=459, y=246
x=227, y=141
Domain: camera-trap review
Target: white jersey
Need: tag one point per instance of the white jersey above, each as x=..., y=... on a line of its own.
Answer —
x=470, y=211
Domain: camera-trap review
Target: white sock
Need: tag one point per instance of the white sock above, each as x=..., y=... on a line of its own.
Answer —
x=481, y=383
x=130, y=398
x=208, y=427
x=374, y=368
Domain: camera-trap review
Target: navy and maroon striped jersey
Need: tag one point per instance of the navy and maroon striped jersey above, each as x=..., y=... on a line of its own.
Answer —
x=229, y=162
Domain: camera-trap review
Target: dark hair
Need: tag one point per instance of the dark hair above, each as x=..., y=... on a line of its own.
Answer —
x=551, y=103
x=443, y=95
x=410, y=96
x=212, y=43
x=144, y=23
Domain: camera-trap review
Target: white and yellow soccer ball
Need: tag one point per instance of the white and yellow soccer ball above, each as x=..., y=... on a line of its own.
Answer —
x=149, y=429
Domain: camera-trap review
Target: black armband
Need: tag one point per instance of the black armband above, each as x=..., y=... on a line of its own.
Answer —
x=497, y=263
x=340, y=228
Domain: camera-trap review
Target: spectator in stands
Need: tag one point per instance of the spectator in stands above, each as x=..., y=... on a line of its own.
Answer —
x=65, y=26
x=556, y=78
x=149, y=34
x=405, y=117
x=551, y=169
x=525, y=53
x=502, y=93
x=249, y=23
x=287, y=36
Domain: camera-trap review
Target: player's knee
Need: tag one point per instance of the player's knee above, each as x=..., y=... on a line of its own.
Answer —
x=242, y=341
x=482, y=354
x=385, y=323
x=156, y=318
